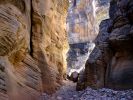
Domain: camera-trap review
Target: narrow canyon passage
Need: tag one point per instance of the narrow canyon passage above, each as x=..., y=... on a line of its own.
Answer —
x=66, y=50
x=83, y=20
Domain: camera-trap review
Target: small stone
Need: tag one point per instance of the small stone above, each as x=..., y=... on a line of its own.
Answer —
x=123, y=98
x=71, y=99
x=115, y=92
x=59, y=98
x=74, y=96
x=44, y=94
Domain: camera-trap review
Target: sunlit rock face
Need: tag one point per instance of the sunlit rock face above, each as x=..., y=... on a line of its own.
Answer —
x=81, y=21
x=111, y=62
x=81, y=30
x=102, y=11
x=49, y=41
x=84, y=17
x=33, y=44
x=20, y=77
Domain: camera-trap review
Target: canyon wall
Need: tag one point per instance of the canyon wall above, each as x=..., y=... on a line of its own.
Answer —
x=81, y=30
x=33, y=44
x=84, y=17
x=83, y=21
x=49, y=41
x=111, y=62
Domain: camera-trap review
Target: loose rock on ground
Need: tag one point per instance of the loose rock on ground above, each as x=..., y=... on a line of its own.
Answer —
x=68, y=92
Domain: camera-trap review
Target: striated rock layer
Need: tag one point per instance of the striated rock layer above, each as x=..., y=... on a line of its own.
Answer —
x=33, y=45
x=49, y=41
x=111, y=62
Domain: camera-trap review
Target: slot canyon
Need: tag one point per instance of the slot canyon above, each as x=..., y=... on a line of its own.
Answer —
x=66, y=50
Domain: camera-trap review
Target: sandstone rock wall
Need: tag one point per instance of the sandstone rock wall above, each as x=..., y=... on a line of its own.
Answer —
x=33, y=44
x=110, y=63
x=49, y=40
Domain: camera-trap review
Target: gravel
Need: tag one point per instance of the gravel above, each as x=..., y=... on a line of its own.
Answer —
x=68, y=92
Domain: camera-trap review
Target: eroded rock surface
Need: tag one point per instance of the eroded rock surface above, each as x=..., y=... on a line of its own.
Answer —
x=110, y=63
x=83, y=20
x=33, y=44
x=49, y=41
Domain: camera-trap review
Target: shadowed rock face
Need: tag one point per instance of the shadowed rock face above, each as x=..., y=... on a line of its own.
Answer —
x=111, y=62
x=33, y=45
